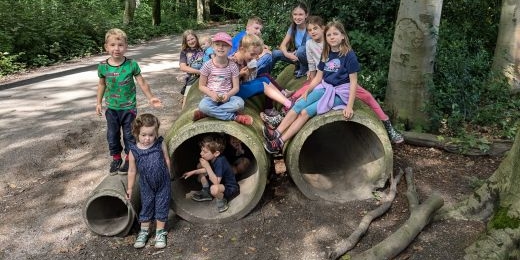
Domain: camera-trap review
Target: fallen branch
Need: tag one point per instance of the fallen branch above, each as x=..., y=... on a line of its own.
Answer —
x=345, y=245
x=420, y=215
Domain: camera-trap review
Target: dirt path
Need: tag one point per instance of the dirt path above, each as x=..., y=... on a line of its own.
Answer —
x=54, y=154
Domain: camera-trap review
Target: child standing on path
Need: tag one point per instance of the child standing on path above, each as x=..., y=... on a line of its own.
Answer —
x=116, y=84
x=219, y=81
x=216, y=175
x=330, y=89
x=149, y=157
x=190, y=61
x=314, y=50
x=292, y=48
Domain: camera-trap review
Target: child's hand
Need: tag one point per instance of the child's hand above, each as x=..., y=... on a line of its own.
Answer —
x=204, y=163
x=186, y=175
x=99, y=110
x=348, y=112
x=155, y=102
x=128, y=193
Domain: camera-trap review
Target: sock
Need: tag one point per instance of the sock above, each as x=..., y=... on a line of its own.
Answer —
x=116, y=157
x=287, y=104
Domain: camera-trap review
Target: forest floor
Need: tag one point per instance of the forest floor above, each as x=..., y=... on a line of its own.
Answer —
x=50, y=162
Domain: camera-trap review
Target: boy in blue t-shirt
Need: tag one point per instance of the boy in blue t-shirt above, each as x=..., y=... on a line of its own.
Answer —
x=216, y=174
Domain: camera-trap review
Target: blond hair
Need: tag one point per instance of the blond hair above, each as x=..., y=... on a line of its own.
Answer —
x=185, y=39
x=255, y=19
x=251, y=40
x=116, y=32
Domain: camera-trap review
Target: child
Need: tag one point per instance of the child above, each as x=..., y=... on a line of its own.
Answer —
x=314, y=48
x=238, y=155
x=190, y=61
x=335, y=79
x=116, y=84
x=149, y=157
x=254, y=26
x=251, y=85
x=216, y=175
x=205, y=44
x=292, y=48
x=219, y=82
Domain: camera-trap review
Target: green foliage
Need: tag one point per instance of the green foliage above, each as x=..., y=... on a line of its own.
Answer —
x=502, y=220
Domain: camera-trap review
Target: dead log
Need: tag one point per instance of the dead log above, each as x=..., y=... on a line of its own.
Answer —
x=420, y=215
x=345, y=245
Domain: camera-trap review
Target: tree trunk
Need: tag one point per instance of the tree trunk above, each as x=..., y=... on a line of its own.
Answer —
x=412, y=58
x=207, y=10
x=128, y=15
x=507, y=53
x=156, y=12
x=200, y=12
x=501, y=191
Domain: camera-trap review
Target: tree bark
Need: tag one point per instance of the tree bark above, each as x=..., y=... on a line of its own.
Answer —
x=507, y=54
x=412, y=59
x=128, y=15
x=200, y=12
x=207, y=10
x=420, y=215
x=156, y=12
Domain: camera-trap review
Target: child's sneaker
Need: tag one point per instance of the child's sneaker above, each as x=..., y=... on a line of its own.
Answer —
x=271, y=112
x=273, y=146
x=197, y=115
x=160, y=238
x=114, y=166
x=222, y=205
x=271, y=121
x=244, y=119
x=270, y=134
x=124, y=168
x=202, y=195
x=142, y=237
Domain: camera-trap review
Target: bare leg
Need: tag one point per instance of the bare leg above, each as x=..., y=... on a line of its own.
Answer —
x=273, y=93
x=160, y=225
x=293, y=129
x=287, y=121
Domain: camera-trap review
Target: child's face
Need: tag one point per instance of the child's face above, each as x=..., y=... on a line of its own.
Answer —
x=299, y=16
x=206, y=43
x=207, y=155
x=116, y=47
x=315, y=31
x=191, y=41
x=334, y=37
x=251, y=53
x=221, y=49
x=255, y=29
x=147, y=135
x=234, y=142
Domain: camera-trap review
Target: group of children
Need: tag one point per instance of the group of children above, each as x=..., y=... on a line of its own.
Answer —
x=229, y=70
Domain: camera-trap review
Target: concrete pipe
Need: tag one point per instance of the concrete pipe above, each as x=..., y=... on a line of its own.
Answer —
x=336, y=159
x=183, y=146
x=107, y=212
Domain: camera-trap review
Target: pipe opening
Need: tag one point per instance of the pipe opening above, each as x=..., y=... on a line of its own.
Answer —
x=185, y=157
x=340, y=161
x=108, y=215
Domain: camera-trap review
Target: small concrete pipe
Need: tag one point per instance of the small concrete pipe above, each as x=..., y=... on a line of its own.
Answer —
x=107, y=212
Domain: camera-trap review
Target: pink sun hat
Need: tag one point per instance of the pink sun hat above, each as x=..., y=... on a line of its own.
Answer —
x=222, y=37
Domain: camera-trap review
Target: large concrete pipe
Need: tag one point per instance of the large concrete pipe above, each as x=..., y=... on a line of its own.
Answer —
x=336, y=159
x=107, y=212
x=183, y=146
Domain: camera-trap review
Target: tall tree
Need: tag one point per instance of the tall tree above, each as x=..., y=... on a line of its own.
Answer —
x=200, y=12
x=156, y=12
x=207, y=10
x=411, y=62
x=507, y=52
x=128, y=15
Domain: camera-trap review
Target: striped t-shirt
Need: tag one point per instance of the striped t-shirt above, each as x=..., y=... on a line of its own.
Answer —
x=219, y=79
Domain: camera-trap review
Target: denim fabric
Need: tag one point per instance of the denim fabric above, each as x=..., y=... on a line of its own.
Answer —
x=223, y=111
x=302, y=65
x=117, y=120
x=264, y=63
